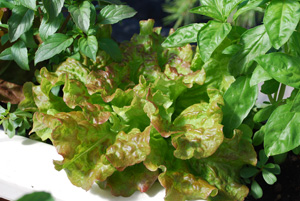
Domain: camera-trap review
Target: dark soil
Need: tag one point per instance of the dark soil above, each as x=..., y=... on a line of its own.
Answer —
x=287, y=187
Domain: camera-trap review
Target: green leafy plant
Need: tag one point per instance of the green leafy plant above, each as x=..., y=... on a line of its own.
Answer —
x=37, y=33
x=154, y=116
x=267, y=53
x=268, y=171
x=16, y=120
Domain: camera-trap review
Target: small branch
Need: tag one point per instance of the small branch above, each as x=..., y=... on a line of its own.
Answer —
x=272, y=100
x=8, y=44
x=281, y=92
x=63, y=26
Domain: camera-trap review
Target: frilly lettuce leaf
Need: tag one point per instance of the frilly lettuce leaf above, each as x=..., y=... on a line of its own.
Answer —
x=129, y=149
x=154, y=116
x=133, y=178
x=222, y=168
x=185, y=186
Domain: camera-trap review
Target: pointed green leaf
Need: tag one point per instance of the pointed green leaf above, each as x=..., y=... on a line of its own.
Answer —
x=29, y=4
x=255, y=42
x=53, y=8
x=19, y=53
x=210, y=37
x=112, y=14
x=219, y=10
x=282, y=67
x=210, y=11
x=239, y=100
x=249, y=5
x=20, y=22
x=81, y=15
x=48, y=28
x=183, y=35
x=111, y=47
x=6, y=55
x=281, y=18
x=89, y=46
x=259, y=75
x=281, y=132
x=54, y=45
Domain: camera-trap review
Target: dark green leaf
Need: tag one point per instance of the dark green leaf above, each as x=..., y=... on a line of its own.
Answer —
x=280, y=19
x=264, y=113
x=6, y=4
x=31, y=4
x=258, y=137
x=248, y=172
x=270, y=86
x=256, y=190
x=296, y=103
x=274, y=168
x=259, y=75
x=53, y=8
x=210, y=37
x=219, y=10
x=89, y=46
x=232, y=49
x=20, y=54
x=269, y=177
x=293, y=44
x=239, y=100
x=37, y=196
x=111, y=47
x=54, y=45
x=249, y=5
x=20, y=21
x=263, y=157
x=112, y=14
x=282, y=67
x=81, y=15
x=255, y=42
x=183, y=35
x=210, y=11
x=6, y=55
x=48, y=28
x=281, y=132
x=117, y=2
x=28, y=39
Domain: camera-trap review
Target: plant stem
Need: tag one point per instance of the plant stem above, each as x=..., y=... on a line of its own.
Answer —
x=281, y=92
x=272, y=100
x=63, y=26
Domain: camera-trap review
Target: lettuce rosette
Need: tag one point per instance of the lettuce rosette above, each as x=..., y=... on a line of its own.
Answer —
x=154, y=116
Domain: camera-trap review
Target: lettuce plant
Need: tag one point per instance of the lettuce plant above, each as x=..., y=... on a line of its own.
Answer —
x=157, y=115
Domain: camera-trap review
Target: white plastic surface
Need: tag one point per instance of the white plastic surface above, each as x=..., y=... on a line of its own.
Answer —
x=27, y=166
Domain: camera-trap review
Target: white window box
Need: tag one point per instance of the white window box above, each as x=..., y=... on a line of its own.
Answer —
x=27, y=166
